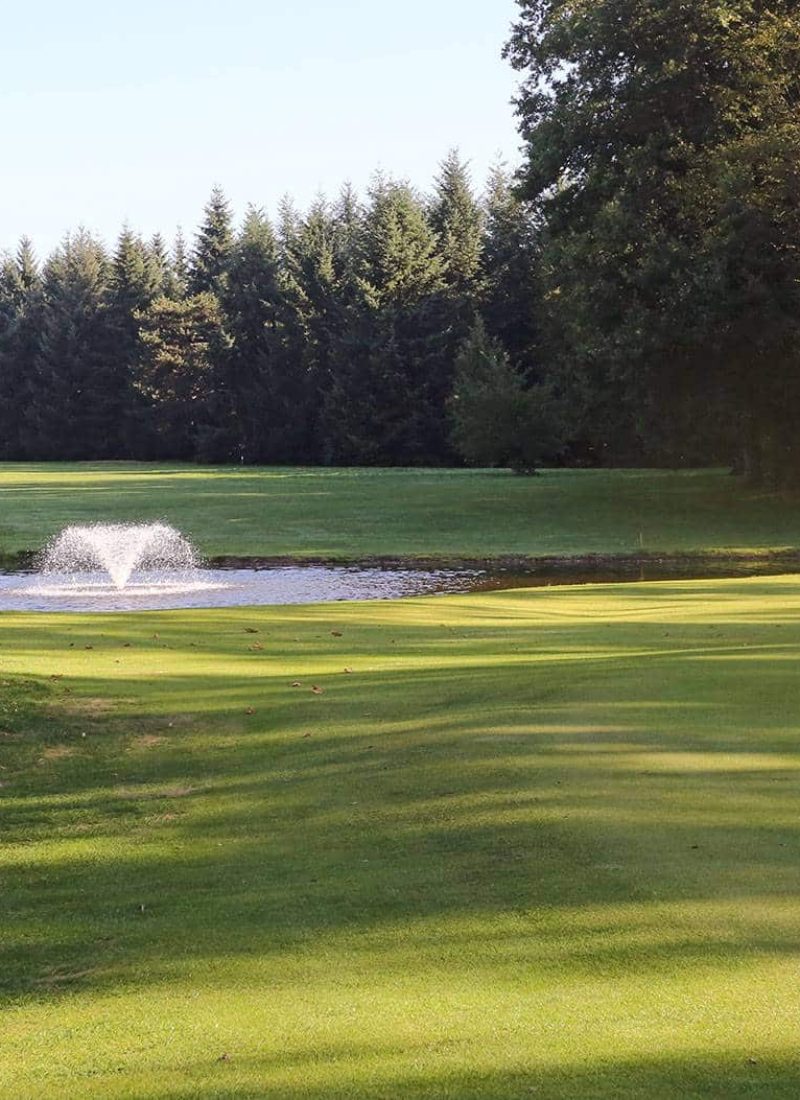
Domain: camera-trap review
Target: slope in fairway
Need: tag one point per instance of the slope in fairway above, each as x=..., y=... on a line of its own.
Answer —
x=534, y=843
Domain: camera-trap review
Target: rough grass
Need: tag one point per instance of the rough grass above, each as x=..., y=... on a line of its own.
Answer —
x=355, y=513
x=535, y=843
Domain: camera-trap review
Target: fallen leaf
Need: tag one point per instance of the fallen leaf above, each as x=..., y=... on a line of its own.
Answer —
x=250, y=710
x=348, y=671
x=224, y=1058
x=256, y=647
x=318, y=690
x=296, y=684
x=250, y=630
x=336, y=633
x=306, y=735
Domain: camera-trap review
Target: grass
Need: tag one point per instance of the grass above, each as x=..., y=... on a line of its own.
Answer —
x=443, y=513
x=535, y=843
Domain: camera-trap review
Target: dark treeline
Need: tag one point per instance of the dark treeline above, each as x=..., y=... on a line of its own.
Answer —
x=331, y=336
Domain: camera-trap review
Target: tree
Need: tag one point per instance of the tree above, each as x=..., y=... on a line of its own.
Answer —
x=254, y=308
x=496, y=419
x=77, y=395
x=457, y=220
x=177, y=376
x=20, y=305
x=662, y=147
x=213, y=246
x=178, y=285
x=386, y=368
x=509, y=301
x=134, y=281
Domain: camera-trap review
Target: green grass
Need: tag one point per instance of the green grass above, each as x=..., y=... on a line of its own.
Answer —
x=538, y=843
x=355, y=513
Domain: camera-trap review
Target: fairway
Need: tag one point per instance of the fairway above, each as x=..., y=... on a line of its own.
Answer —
x=532, y=843
x=354, y=513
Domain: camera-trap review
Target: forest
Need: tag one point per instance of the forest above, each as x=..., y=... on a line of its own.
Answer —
x=329, y=337
x=630, y=294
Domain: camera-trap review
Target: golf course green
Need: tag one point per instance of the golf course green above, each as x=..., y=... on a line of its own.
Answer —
x=525, y=843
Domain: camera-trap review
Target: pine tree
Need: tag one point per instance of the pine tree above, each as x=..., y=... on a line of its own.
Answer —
x=20, y=300
x=134, y=282
x=178, y=285
x=510, y=261
x=254, y=306
x=384, y=402
x=496, y=419
x=458, y=221
x=177, y=374
x=77, y=395
x=160, y=264
x=213, y=246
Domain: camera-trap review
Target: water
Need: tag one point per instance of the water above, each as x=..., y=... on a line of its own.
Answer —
x=225, y=588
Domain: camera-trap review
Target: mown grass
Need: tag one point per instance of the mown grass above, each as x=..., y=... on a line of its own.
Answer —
x=443, y=513
x=534, y=843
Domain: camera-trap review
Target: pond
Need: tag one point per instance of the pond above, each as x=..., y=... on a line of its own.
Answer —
x=301, y=584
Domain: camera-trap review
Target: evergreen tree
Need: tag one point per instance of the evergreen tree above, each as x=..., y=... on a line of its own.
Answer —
x=458, y=221
x=178, y=285
x=213, y=246
x=76, y=406
x=497, y=420
x=177, y=375
x=509, y=264
x=160, y=264
x=313, y=319
x=254, y=306
x=20, y=301
x=134, y=282
x=386, y=366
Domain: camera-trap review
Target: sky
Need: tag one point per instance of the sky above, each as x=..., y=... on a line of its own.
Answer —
x=117, y=113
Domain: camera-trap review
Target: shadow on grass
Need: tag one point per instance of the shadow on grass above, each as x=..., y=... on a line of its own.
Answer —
x=667, y=1078
x=506, y=810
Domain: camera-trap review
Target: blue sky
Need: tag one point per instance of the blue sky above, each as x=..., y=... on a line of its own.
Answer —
x=115, y=112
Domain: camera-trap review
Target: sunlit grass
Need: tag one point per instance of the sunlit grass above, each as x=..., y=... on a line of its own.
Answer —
x=352, y=513
x=533, y=843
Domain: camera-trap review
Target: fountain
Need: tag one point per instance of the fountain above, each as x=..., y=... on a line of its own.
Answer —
x=121, y=551
x=117, y=566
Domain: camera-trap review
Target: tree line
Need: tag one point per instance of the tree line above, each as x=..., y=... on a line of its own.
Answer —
x=330, y=336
